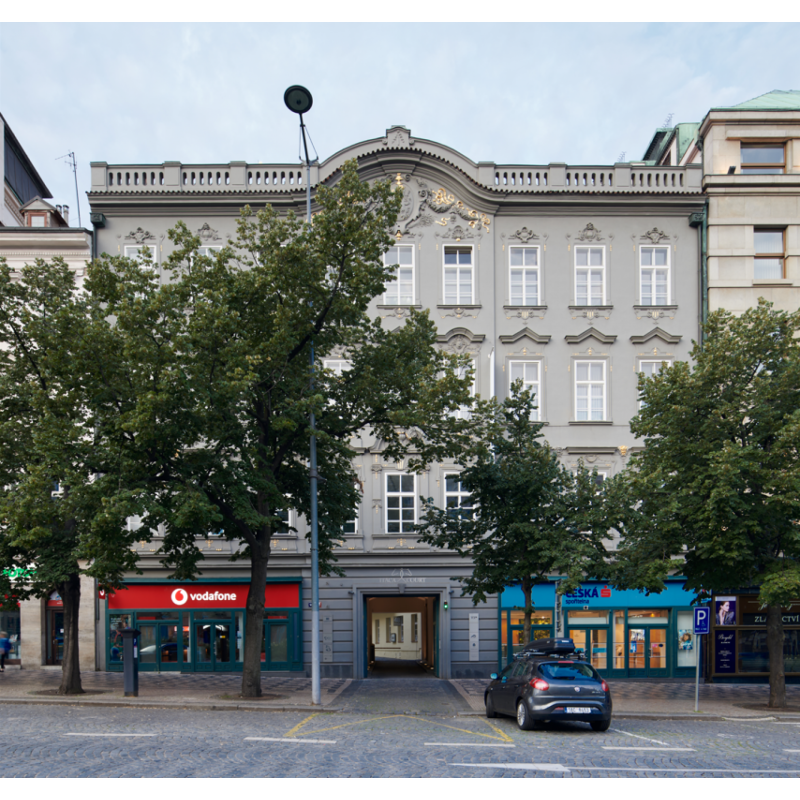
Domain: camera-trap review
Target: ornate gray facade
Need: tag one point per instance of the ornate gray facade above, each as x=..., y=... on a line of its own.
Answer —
x=574, y=279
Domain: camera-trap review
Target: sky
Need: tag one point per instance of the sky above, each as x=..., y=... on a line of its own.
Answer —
x=511, y=93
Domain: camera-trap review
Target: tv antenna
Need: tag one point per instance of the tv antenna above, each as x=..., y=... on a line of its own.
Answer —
x=668, y=120
x=621, y=157
x=71, y=162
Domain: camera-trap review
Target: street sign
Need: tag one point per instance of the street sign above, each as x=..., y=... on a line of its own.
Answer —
x=702, y=619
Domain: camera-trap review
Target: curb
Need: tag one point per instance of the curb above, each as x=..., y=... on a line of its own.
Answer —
x=76, y=700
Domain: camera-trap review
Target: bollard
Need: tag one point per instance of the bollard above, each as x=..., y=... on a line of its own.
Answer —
x=130, y=661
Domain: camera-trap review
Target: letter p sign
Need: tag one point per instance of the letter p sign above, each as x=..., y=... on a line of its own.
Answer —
x=702, y=619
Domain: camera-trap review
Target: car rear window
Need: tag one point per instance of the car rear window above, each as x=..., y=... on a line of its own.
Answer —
x=566, y=672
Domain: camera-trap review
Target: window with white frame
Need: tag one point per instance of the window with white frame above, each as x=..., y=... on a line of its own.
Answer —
x=524, y=275
x=137, y=252
x=590, y=391
x=463, y=412
x=457, y=500
x=651, y=367
x=529, y=373
x=401, y=503
x=283, y=527
x=458, y=276
x=209, y=250
x=590, y=276
x=400, y=291
x=336, y=365
x=654, y=275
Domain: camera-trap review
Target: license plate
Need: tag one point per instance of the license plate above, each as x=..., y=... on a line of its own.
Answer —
x=578, y=710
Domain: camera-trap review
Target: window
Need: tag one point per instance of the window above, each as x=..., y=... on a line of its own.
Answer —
x=336, y=365
x=208, y=250
x=524, y=265
x=463, y=412
x=400, y=292
x=769, y=247
x=398, y=623
x=763, y=159
x=654, y=275
x=282, y=528
x=377, y=631
x=415, y=628
x=458, y=276
x=590, y=284
x=37, y=220
x=528, y=373
x=137, y=252
x=650, y=368
x=457, y=500
x=590, y=390
x=401, y=503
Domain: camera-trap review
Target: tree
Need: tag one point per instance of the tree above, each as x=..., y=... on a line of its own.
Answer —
x=62, y=507
x=528, y=517
x=224, y=381
x=715, y=493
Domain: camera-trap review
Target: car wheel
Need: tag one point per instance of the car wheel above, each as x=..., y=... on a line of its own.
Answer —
x=524, y=717
x=490, y=712
x=602, y=725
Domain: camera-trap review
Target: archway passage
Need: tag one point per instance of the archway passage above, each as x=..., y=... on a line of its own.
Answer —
x=401, y=636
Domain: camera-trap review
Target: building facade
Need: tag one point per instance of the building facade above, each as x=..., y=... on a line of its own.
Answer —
x=573, y=279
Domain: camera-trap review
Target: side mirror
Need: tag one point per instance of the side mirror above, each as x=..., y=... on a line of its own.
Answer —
x=493, y=676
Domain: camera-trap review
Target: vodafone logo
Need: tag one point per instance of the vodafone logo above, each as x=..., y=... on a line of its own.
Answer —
x=179, y=597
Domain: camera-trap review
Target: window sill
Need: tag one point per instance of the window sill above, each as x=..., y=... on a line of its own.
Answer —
x=773, y=282
x=591, y=422
x=524, y=308
x=466, y=306
x=590, y=306
x=399, y=305
x=655, y=308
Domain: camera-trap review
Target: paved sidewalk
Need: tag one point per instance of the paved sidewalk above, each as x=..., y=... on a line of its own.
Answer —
x=424, y=695
x=671, y=698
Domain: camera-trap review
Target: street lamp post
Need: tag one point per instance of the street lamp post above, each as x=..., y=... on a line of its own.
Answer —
x=298, y=99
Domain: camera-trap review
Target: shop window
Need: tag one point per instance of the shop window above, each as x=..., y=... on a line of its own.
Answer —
x=578, y=618
x=618, y=643
x=650, y=616
x=116, y=624
x=687, y=641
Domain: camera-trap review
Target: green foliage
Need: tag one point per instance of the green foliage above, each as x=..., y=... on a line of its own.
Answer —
x=716, y=491
x=532, y=518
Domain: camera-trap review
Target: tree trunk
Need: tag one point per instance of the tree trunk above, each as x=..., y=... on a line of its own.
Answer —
x=254, y=622
x=777, y=676
x=70, y=592
x=526, y=620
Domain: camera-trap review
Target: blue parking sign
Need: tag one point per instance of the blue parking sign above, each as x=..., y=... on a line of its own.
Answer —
x=702, y=619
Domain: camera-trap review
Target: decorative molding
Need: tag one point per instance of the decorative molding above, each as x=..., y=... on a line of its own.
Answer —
x=654, y=236
x=656, y=333
x=430, y=203
x=589, y=234
x=140, y=236
x=525, y=333
x=459, y=311
x=655, y=313
x=398, y=137
x=400, y=312
x=525, y=312
x=524, y=235
x=458, y=232
x=206, y=232
x=623, y=450
x=591, y=332
x=590, y=312
x=460, y=341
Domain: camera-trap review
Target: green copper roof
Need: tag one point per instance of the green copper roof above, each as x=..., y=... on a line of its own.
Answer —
x=777, y=100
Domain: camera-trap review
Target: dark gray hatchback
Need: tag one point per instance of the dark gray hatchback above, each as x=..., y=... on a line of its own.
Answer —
x=540, y=687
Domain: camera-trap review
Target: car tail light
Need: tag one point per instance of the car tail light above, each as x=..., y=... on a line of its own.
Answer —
x=604, y=686
x=540, y=684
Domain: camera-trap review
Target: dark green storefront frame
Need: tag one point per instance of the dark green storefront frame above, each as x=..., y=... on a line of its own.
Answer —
x=294, y=623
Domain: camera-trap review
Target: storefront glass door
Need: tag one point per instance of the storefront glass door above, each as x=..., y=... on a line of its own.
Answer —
x=275, y=647
x=212, y=646
x=647, y=652
x=594, y=643
x=55, y=637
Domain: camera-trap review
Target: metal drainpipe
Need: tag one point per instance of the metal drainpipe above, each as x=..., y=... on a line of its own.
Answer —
x=704, y=269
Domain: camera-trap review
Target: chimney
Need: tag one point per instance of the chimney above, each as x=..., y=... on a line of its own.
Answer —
x=65, y=214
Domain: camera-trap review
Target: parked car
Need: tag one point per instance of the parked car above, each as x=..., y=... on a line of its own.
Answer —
x=550, y=680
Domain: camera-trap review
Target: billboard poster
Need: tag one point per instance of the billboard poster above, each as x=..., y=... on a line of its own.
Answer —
x=724, y=652
x=724, y=610
x=685, y=639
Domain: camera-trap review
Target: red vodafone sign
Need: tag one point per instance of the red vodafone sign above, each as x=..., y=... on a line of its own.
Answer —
x=201, y=595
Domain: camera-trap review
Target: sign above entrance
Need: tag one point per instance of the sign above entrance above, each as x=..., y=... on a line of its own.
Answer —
x=402, y=576
x=599, y=595
x=203, y=595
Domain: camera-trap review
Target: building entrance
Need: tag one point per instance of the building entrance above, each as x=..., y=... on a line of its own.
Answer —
x=402, y=636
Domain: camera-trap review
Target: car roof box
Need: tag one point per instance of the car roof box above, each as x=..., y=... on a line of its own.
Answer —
x=550, y=646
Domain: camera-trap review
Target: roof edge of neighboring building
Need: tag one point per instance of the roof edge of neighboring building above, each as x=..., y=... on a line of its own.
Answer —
x=10, y=133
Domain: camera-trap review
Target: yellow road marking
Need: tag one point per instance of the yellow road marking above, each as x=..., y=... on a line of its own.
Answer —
x=300, y=724
x=497, y=730
x=501, y=737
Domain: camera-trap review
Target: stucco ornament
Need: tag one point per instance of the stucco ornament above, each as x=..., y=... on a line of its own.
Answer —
x=523, y=235
x=140, y=236
x=589, y=234
x=655, y=236
x=205, y=231
x=421, y=207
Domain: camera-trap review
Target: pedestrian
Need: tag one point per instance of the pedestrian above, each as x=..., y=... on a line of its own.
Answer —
x=5, y=648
